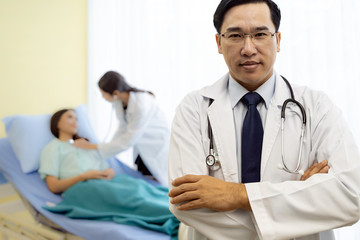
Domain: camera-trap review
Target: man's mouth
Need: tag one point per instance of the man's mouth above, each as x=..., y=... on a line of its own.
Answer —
x=250, y=65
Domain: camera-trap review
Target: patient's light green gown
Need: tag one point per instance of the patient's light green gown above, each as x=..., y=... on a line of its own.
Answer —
x=62, y=160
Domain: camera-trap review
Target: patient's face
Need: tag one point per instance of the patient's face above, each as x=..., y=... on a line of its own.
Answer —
x=68, y=123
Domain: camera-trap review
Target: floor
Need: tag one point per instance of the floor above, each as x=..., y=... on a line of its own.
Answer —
x=11, y=204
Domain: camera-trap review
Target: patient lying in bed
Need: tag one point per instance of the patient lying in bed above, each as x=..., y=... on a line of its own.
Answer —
x=91, y=190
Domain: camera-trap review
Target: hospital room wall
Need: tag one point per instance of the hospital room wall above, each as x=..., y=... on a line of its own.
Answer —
x=43, y=56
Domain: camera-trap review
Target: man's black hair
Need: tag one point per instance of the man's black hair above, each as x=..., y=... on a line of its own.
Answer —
x=225, y=6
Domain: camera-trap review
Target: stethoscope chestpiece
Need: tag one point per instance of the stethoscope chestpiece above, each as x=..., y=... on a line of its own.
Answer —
x=210, y=160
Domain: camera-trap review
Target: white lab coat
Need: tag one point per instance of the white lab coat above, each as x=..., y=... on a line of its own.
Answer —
x=143, y=127
x=282, y=206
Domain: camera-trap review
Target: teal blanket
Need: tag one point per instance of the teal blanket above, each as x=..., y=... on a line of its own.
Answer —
x=124, y=200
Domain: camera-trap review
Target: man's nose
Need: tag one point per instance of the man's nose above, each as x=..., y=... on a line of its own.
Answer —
x=249, y=47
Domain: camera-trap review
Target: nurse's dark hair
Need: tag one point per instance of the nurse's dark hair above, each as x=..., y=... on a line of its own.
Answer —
x=225, y=5
x=55, y=118
x=112, y=81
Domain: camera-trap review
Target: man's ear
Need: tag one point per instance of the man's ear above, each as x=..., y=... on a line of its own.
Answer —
x=218, y=42
x=278, y=39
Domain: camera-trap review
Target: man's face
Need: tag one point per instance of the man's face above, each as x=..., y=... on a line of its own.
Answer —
x=250, y=63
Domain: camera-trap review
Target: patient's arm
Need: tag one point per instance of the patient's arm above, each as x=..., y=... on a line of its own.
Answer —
x=110, y=173
x=56, y=185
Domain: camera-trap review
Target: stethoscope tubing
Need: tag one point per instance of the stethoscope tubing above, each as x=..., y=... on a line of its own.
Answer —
x=283, y=110
x=285, y=167
x=303, y=126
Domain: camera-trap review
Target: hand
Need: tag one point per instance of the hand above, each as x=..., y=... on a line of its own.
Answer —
x=94, y=174
x=84, y=144
x=202, y=191
x=321, y=167
x=109, y=172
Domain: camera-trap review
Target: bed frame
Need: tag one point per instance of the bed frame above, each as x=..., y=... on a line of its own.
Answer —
x=12, y=227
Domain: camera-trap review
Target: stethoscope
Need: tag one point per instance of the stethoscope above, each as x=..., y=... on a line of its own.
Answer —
x=212, y=159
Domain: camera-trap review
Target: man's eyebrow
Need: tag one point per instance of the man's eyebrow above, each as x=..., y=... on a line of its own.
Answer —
x=261, y=28
x=234, y=29
x=239, y=29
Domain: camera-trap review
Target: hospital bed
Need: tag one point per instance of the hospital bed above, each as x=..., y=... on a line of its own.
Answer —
x=36, y=194
x=19, y=160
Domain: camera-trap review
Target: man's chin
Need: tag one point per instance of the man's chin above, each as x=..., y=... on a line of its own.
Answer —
x=250, y=81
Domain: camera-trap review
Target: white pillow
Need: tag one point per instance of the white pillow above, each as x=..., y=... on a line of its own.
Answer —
x=28, y=135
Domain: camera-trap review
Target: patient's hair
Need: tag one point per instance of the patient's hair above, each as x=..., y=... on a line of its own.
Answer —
x=55, y=120
x=226, y=5
x=112, y=81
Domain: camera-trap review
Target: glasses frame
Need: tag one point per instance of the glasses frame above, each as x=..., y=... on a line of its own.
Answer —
x=242, y=39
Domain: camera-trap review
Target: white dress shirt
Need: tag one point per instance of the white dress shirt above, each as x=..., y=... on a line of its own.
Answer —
x=236, y=92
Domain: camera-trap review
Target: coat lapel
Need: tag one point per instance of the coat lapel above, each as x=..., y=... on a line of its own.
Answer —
x=273, y=120
x=222, y=123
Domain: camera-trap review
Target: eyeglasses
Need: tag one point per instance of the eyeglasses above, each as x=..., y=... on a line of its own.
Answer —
x=239, y=37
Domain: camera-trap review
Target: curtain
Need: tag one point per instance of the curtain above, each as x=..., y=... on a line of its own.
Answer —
x=169, y=48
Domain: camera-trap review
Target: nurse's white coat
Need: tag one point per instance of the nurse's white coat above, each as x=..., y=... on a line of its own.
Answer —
x=143, y=127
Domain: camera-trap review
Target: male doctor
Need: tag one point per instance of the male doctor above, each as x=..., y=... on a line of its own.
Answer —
x=245, y=193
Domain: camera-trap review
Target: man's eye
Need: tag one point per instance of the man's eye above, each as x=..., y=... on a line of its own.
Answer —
x=234, y=35
x=260, y=35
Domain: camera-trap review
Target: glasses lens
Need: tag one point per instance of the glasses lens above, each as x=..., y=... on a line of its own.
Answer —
x=261, y=35
x=239, y=37
x=234, y=36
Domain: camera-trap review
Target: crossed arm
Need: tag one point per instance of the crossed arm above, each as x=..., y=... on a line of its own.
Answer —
x=202, y=191
x=281, y=210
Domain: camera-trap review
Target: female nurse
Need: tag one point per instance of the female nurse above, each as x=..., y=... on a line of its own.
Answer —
x=141, y=125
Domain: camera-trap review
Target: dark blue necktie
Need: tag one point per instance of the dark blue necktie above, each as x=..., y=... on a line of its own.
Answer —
x=251, y=140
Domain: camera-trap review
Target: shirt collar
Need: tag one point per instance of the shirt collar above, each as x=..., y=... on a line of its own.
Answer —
x=266, y=90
